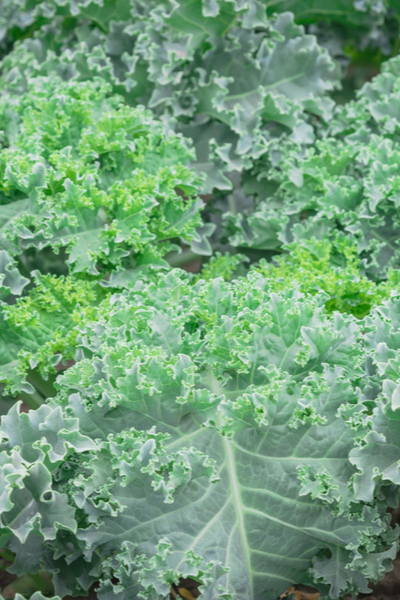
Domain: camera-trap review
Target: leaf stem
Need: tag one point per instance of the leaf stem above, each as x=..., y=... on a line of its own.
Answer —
x=46, y=388
x=232, y=204
x=182, y=259
x=32, y=400
x=7, y=554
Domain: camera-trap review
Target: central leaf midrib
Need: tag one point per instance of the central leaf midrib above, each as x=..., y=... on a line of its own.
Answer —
x=237, y=502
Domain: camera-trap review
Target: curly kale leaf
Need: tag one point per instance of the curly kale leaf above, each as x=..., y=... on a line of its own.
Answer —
x=222, y=73
x=347, y=182
x=320, y=265
x=39, y=332
x=225, y=434
x=82, y=172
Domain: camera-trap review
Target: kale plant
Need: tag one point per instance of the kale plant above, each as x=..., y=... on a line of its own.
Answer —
x=346, y=183
x=83, y=172
x=92, y=191
x=219, y=431
x=237, y=427
x=225, y=74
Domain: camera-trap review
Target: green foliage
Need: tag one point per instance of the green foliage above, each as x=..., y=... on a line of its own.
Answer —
x=104, y=189
x=218, y=431
x=83, y=172
x=347, y=181
x=240, y=431
x=364, y=30
x=224, y=74
x=35, y=596
x=238, y=79
x=311, y=265
x=222, y=265
x=39, y=331
x=341, y=11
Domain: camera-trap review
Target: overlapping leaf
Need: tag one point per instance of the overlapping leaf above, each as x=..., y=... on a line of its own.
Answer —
x=81, y=171
x=231, y=436
x=332, y=267
x=234, y=433
x=39, y=332
x=222, y=74
x=347, y=182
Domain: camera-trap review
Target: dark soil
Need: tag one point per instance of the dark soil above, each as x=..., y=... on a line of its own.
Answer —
x=5, y=577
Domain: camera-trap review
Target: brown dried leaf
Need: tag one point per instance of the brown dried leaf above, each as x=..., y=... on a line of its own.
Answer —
x=299, y=594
